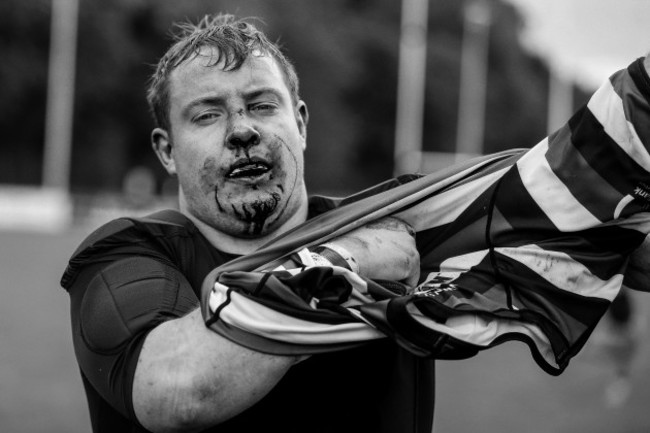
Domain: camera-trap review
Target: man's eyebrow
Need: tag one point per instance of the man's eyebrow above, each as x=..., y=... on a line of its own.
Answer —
x=263, y=91
x=207, y=100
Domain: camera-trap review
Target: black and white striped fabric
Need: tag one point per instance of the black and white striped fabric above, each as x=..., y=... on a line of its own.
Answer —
x=527, y=245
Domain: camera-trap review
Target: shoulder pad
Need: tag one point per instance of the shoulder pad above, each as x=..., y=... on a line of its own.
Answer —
x=124, y=231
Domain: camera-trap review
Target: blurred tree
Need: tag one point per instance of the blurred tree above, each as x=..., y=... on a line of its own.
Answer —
x=517, y=87
x=112, y=122
x=24, y=45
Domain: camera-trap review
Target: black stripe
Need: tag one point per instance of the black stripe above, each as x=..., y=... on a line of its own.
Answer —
x=614, y=239
x=520, y=210
x=585, y=184
x=407, y=329
x=457, y=241
x=631, y=86
x=430, y=241
x=604, y=155
x=427, y=240
x=640, y=77
x=602, y=250
x=478, y=280
x=540, y=296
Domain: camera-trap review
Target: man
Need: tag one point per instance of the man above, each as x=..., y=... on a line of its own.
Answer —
x=537, y=253
x=232, y=128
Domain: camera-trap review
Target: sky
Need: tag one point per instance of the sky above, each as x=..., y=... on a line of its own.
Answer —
x=586, y=40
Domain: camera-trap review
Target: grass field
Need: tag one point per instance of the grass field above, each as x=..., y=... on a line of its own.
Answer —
x=498, y=391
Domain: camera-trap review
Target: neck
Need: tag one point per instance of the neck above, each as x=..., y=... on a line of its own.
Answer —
x=236, y=245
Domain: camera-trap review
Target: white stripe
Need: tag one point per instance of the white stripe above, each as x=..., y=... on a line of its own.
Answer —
x=482, y=331
x=550, y=193
x=607, y=107
x=258, y=319
x=305, y=258
x=447, y=206
x=454, y=266
x=621, y=205
x=563, y=272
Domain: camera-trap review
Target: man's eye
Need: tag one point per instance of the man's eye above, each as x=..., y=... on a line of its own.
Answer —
x=263, y=107
x=205, y=117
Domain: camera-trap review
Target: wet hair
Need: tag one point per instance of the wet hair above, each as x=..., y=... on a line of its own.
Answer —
x=233, y=40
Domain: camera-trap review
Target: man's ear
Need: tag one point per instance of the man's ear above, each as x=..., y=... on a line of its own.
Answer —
x=302, y=117
x=162, y=146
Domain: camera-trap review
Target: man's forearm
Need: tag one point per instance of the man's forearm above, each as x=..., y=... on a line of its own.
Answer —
x=189, y=378
x=384, y=249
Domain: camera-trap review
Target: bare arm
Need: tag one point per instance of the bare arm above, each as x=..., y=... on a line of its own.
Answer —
x=189, y=378
x=384, y=249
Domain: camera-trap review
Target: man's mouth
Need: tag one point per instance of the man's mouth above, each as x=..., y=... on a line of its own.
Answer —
x=248, y=168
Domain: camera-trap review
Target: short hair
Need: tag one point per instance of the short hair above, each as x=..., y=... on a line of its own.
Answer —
x=234, y=39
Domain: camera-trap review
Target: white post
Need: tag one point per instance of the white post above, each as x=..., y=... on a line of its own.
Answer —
x=473, y=78
x=560, y=98
x=60, y=95
x=411, y=86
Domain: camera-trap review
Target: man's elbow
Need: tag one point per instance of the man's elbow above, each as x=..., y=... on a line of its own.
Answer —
x=187, y=405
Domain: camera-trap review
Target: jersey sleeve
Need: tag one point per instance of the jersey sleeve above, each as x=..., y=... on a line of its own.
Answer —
x=114, y=307
x=533, y=249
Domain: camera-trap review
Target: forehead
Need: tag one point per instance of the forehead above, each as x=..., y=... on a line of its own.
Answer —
x=200, y=75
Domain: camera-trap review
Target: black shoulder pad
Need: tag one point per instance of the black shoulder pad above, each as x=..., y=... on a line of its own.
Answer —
x=131, y=296
x=123, y=231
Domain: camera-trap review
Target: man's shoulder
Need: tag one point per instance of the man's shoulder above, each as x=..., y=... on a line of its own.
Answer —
x=139, y=234
x=127, y=229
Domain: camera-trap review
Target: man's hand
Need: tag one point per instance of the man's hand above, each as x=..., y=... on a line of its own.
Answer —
x=384, y=249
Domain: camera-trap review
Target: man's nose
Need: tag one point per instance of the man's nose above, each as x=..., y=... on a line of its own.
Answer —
x=242, y=133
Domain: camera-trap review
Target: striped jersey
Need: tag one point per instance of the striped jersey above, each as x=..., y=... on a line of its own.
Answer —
x=528, y=245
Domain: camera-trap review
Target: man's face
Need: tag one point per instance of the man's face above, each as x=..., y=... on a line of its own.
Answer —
x=236, y=144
